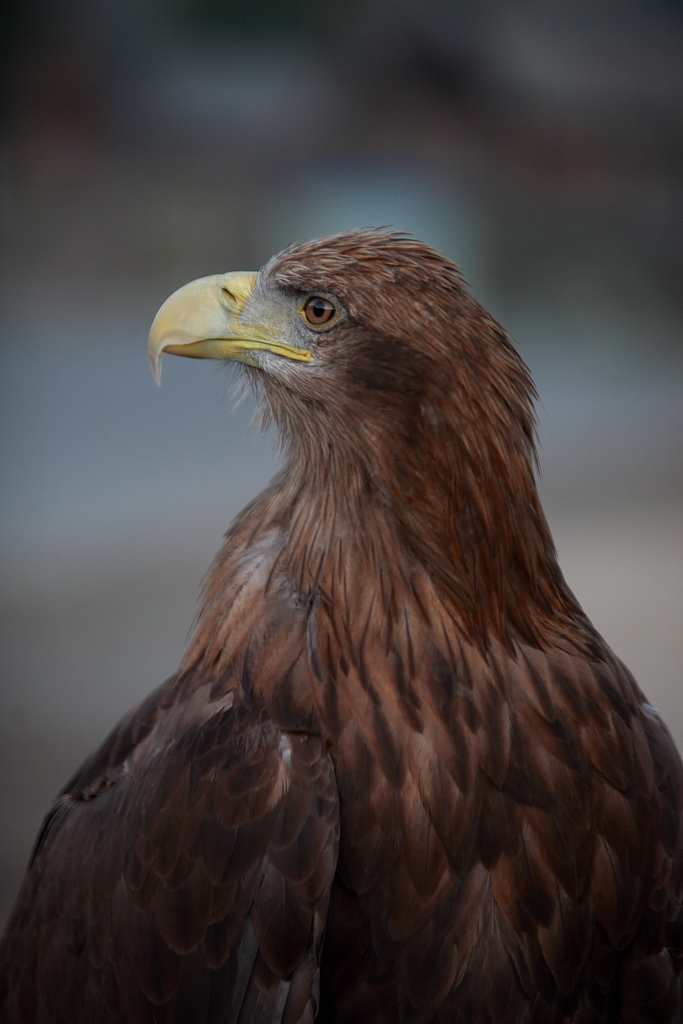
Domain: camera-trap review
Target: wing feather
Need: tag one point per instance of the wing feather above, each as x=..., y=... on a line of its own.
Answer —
x=183, y=877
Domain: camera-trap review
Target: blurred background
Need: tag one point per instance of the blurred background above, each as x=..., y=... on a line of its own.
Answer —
x=147, y=143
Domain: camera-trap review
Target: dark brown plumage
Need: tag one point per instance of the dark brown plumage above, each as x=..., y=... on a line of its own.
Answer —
x=398, y=776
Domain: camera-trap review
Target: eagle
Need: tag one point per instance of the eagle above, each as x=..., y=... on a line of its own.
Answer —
x=398, y=777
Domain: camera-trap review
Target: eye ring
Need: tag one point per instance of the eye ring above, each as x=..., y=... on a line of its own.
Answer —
x=318, y=311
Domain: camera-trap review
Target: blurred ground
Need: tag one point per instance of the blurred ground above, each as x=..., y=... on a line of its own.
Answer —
x=144, y=145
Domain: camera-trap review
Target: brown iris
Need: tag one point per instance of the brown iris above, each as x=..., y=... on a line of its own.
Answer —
x=318, y=310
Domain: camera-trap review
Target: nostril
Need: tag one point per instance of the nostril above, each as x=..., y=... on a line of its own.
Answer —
x=234, y=289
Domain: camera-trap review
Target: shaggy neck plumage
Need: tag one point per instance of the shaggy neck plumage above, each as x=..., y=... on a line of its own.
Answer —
x=381, y=549
x=452, y=492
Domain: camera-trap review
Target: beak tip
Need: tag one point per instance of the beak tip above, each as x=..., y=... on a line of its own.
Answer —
x=155, y=366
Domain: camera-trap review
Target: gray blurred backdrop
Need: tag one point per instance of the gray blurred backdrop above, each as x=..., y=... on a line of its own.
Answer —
x=147, y=143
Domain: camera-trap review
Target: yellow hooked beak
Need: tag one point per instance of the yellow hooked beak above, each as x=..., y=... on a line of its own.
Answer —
x=203, y=320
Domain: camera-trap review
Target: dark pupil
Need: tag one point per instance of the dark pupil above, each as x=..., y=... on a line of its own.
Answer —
x=319, y=309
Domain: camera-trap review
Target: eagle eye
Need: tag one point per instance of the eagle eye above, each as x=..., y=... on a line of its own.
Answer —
x=317, y=310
